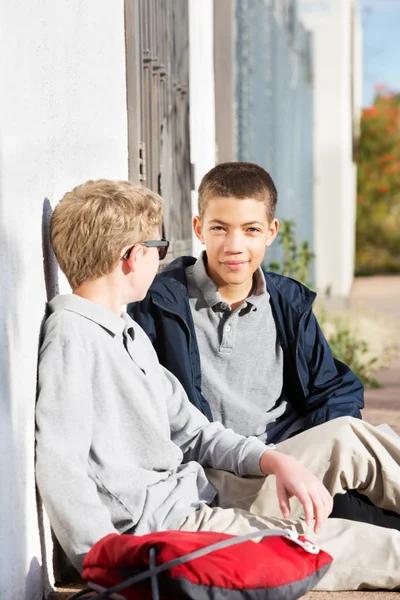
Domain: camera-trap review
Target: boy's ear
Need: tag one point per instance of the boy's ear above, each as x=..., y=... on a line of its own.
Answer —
x=272, y=231
x=135, y=255
x=198, y=229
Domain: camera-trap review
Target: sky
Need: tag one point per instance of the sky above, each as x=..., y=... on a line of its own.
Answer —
x=381, y=46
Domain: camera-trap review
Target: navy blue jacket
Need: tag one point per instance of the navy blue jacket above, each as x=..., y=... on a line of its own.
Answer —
x=319, y=387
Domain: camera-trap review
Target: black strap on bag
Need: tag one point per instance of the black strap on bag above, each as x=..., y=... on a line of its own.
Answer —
x=153, y=571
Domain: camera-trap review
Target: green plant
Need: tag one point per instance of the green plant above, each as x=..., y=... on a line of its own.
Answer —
x=296, y=257
x=347, y=347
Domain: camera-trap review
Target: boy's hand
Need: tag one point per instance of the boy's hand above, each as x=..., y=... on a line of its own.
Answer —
x=292, y=479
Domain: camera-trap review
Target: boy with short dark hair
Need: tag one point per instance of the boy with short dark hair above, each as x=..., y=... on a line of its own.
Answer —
x=121, y=449
x=244, y=342
x=255, y=357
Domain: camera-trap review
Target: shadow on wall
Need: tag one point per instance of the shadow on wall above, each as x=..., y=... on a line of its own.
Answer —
x=64, y=571
x=50, y=267
x=50, y=271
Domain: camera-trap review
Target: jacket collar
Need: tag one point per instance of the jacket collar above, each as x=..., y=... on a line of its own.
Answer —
x=170, y=289
x=175, y=271
x=286, y=291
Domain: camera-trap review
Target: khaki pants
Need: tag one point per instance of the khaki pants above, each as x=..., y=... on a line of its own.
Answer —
x=345, y=454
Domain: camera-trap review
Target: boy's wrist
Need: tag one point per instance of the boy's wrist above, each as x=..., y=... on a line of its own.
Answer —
x=270, y=460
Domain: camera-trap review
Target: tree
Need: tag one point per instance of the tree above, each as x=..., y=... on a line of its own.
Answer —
x=378, y=198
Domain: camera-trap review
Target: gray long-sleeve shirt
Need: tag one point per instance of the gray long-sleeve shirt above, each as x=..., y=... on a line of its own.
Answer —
x=118, y=443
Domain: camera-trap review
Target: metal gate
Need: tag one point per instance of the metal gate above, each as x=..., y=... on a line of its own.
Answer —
x=157, y=64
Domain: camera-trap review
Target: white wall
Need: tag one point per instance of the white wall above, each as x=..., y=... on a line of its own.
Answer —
x=357, y=68
x=62, y=120
x=335, y=174
x=202, y=99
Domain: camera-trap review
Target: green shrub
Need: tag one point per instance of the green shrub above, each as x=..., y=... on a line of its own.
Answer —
x=347, y=347
x=296, y=258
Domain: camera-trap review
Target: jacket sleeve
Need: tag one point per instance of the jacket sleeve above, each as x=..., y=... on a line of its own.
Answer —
x=333, y=390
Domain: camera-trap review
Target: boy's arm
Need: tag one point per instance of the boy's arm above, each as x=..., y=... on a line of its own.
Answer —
x=214, y=446
x=170, y=340
x=333, y=390
x=210, y=444
x=64, y=418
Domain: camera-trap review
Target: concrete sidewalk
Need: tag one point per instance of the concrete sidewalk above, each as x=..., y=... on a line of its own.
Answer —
x=381, y=295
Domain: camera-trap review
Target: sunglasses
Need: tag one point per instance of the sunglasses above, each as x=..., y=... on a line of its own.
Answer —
x=161, y=245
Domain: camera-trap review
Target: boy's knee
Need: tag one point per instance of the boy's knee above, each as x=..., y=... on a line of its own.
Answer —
x=336, y=426
x=345, y=425
x=345, y=421
x=342, y=430
x=347, y=432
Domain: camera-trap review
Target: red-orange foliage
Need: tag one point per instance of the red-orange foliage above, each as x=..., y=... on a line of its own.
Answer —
x=378, y=199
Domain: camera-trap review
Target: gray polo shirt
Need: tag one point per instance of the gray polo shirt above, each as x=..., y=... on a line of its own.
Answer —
x=241, y=359
x=119, y=446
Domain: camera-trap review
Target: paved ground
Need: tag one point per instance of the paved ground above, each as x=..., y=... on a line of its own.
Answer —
x=382, y=405
x=381, y=297
x=66, y=592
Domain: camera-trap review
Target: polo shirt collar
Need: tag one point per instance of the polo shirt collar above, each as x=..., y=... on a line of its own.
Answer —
x=92, y=311
x=259, y=289
x=204, y=283
x=209, y=289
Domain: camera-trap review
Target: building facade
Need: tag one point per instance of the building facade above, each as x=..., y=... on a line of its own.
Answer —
x=336, y=30
x=264, y=101
x=157, y=91
x=63, y=120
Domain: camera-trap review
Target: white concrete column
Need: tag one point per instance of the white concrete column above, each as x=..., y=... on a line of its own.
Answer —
x=62, y=121
x=335, y=67
x=202, y=99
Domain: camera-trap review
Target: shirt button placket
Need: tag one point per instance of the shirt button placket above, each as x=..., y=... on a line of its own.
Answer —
x=227, y=337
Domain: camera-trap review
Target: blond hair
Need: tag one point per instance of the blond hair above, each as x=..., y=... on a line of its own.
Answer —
x=238, y=180
x=93, y=223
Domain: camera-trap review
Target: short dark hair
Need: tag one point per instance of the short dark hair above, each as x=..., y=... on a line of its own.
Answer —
x=238, y=180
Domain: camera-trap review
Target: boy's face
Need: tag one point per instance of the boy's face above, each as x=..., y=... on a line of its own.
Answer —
x=235, y=233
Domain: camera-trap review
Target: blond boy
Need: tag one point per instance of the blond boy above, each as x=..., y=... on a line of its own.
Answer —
x=121, y=449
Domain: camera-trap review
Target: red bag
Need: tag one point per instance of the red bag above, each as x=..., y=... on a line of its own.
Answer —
x=204, y=565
